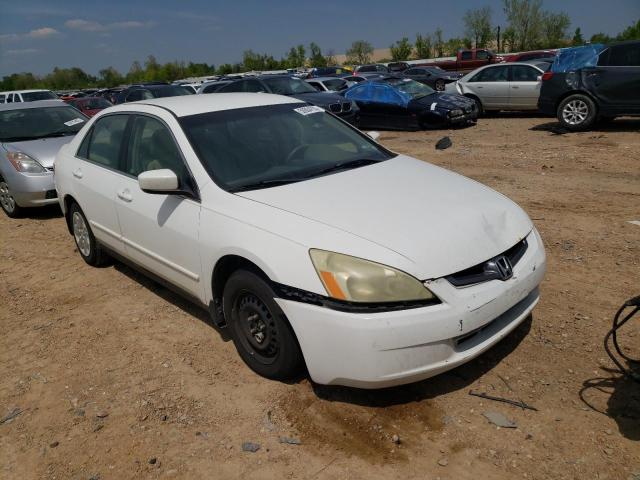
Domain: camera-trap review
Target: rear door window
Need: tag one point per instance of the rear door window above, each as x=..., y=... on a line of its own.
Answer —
x=466, y=55
x=521, y=73
x=106, y=141
x=624, y=55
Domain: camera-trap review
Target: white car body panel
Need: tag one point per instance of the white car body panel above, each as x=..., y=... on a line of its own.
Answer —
x=405, y=200
x=405, y=213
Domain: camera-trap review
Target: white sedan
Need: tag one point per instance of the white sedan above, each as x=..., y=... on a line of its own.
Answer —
x=311, y=243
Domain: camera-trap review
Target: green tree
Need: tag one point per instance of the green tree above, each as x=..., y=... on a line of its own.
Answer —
x=553, y=29
x=452, y=45
x=577, y=37
x=316, y=59
x=330, y=58
x=478, y=27
x=525, y=19
x=360, y=52
x=438, y=42
x=110, y=77
x=630, y=33
x=401, y=50
x=151, y=69
x=136, y=73
x=423, y=46
x=296, y=57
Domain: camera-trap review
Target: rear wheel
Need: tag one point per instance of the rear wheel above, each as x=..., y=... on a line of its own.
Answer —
x=7, y=202
x=90, y=251
x=577, y=112
x=439, y=85
x=260, y=331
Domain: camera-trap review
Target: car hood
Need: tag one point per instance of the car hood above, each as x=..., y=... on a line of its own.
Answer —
x=44, y=150
x=320, y=99
x=444, y=100
x=439, y=220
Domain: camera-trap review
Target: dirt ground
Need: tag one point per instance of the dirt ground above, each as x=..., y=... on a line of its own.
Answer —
x=117, y=378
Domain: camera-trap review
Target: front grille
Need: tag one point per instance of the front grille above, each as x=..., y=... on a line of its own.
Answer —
x=50, y=194
x=335, y=107
x=346, y=107
x=485, y=271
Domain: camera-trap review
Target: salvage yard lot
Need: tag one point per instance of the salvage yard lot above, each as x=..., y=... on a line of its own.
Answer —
x=111, y=371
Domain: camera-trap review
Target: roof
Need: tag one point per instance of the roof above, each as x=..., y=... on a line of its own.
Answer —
x=26, y=91
x=37, y=104
x=323, y=79
x=185, y=105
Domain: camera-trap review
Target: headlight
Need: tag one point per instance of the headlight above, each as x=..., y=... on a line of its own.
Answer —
x=24, y=163
x=455, y=113
x=357, y=280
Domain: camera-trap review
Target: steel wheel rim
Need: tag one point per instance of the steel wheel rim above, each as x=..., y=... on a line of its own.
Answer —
x=6, y=199
x=81, y=234
x=440, y=85
x=256, y=328
x=575, y=112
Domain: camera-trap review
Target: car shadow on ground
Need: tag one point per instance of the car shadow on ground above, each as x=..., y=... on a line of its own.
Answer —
x=617, y=125
x=456, y=379
x=41, y=213
x=617, y=397
x=170, y=296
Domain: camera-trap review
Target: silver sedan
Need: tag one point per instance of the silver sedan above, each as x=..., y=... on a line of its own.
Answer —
x=30, y=136
x=501, y=86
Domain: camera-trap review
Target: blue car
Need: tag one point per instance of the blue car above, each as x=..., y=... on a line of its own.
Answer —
x=404, y=104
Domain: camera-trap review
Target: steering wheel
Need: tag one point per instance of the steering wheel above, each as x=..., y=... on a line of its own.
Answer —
x=295, y=152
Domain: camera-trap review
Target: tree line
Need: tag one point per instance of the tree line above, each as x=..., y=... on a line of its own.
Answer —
x=529, y=27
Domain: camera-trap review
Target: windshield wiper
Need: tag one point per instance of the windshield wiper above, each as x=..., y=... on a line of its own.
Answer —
x=59, y=133
x=264, y=184
x=360, y=162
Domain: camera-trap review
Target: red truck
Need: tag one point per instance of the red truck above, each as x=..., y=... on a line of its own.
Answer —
x=466, y=60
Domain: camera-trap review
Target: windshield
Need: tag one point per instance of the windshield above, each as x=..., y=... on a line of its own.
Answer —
x=411, y=87
x=260, y=147
x=33, y=123
x=90, y=103
x=335, y=85
x=288, y=85
x=170, y=92
x=34, y=96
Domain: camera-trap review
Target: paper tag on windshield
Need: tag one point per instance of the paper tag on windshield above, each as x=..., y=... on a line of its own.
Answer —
x=308, y=110
x=75, y=121
x=433, y=105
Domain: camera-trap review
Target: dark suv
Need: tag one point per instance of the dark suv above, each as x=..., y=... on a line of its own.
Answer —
x=148, y=91
x=592, y=82
x=295, y=87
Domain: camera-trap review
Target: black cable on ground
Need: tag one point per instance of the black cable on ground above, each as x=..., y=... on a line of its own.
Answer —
x=630, y=370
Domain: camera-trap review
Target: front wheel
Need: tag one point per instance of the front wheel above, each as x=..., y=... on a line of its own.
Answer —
x=577, y=112
x=439, y=85
x=89, y=249
x=7, y=202
x=260, y=331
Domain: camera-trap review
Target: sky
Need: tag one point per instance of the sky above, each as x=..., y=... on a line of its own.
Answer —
x=36, y=36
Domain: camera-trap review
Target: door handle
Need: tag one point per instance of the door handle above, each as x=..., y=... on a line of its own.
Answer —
x=515, y=86
x=125, y=195
x=77, y=173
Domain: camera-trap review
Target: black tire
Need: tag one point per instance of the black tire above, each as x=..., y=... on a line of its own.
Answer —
x=577, y=112
x=439, y=85
x=479, y=106
x=90, y=250
x=7, y=202
x=260, y=331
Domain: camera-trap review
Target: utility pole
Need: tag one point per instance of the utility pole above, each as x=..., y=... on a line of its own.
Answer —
x=498, y=38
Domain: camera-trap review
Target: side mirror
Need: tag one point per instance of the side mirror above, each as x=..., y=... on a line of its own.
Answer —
x=374, y=135
x=158, y=181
